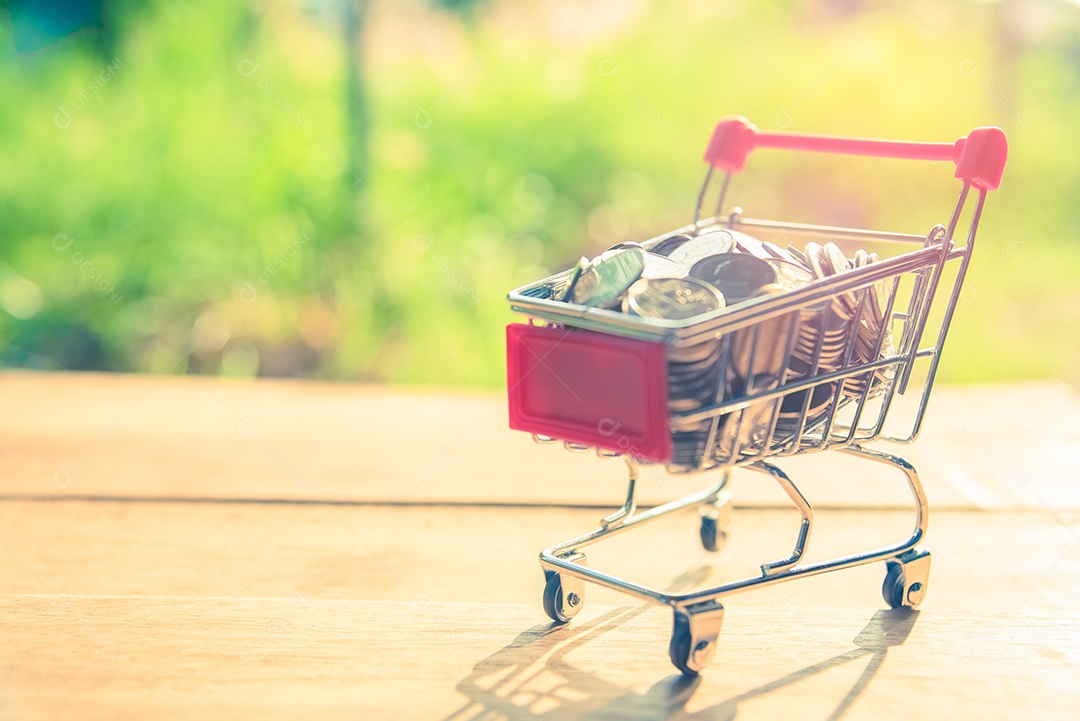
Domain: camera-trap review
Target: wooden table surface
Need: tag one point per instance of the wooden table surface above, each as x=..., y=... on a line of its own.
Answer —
x=198, y=548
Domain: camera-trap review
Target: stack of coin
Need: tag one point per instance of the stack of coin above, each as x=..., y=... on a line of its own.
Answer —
x=872, y=326
x=841, y=334
x=692, y=370
x=686, y=276
x=758, y=362
x=854, y=319
x=693, y=383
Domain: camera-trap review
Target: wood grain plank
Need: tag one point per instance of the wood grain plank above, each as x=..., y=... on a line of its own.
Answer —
x=198, y=658
x=1010, y=446
x=983, y=562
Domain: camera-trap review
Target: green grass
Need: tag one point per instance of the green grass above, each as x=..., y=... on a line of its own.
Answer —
x=231, y=238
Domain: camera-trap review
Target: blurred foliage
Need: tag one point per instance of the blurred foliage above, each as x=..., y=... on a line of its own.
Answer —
x=175, y=192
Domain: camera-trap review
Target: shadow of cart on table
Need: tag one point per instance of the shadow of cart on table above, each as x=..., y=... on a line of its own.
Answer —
x=513, y=683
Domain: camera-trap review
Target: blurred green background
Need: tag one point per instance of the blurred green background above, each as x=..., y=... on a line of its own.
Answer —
x=347, y=190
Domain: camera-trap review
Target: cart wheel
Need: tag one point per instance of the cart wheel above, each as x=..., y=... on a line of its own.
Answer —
x=561, y=606
x=679, y=648
x=711, y=540
x=892, y=590
x=716, y=523
x=694, y=636
x=906, y=579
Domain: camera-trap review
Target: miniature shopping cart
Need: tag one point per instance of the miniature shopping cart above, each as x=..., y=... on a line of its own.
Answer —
x=599, y=379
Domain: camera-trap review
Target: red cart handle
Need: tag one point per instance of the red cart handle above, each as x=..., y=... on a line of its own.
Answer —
x=980, y=157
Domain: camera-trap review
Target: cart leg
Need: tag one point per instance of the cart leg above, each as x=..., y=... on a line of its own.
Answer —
x=805, y=509
x=564, y=595
x=908, y=574
x=922, y=509
x=716, y=517
x=625, y=513
x=694, y=636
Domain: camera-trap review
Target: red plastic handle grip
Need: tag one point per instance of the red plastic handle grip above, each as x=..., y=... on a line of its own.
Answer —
x=979, y=157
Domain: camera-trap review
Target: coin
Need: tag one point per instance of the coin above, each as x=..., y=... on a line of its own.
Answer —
x=672, y=298
x=727, y=443
x=573, y=279
x=821, y=397
x=657, y=266
x=736, y=275
x=608, y=277
x=691, y=367
x=779, y=253
x=821, y=261
x=878, y=291
x=699, y=389
x=816, y=255
x=685, y=277
x=750, y=245
x=694, y=353
x=713, y=242
x=835, y=262
x=670, y=243
x=769, y=339
x=799, y=256
x=790, y=275
x=688, y=448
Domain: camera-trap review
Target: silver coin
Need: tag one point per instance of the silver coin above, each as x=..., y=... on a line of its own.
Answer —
x=575, y=273
x=608, y=277
x=799, y=256
x=684, y=404
x=736, y=275
x=657, y=266
x=670, y=243
x=760, y=349
x=779, y=253
x=842, y=306
x=687, y=373
x=750, y=245
x=692, y=370
x=713, y=242
x=789, y=274
x=701, y=393
x=696, y=353
x=835, y=262
x=820, y=396
x=815, y=254
x=672, y=298
x=878, y=291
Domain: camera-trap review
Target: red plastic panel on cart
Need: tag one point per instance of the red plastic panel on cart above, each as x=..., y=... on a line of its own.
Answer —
x=591, y=388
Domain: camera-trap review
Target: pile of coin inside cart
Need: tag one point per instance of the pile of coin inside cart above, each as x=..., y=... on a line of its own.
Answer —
x=682, y=277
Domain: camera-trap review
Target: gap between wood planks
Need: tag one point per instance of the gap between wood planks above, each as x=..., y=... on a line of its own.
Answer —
x=378, y=503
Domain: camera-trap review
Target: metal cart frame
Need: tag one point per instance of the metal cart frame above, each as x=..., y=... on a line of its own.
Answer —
x=858, y=393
